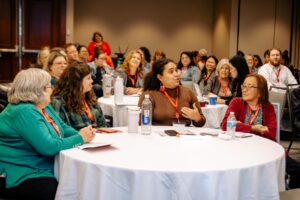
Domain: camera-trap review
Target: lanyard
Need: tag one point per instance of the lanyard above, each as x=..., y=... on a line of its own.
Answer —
x=277, y=73
x=87, y=110
x=252, y=118
x=224, y=88
x=174, y=104
x=132, y=79
x=48, y=118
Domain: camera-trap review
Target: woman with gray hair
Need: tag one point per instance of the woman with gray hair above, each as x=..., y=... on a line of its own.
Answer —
x=56, y=65
x=31, y=134
x=222, y=84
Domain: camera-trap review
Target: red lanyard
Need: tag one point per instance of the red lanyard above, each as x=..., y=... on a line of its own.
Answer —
x=224, y=88
x=277, y=74
x=132, y=79
x=252, y=118
x=48, y=118
x=174, y=104
x=206, y=77
x=87, y=110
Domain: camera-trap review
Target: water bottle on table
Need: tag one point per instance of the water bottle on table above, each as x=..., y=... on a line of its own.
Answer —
x=231, y=125
x=119, y=90
x=146, y=116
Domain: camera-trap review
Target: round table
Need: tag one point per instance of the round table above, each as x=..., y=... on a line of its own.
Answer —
x=162, y=167
x=213, y=113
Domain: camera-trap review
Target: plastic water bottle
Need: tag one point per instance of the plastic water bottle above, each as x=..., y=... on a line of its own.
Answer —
x=231, y=125
x=146, y=117
x=119, y=90
x=106, y=85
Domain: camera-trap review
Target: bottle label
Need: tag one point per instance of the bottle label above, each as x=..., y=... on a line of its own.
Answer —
x=146, y=120
x=231, y=124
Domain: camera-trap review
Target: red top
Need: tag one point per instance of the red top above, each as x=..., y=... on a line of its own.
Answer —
x=239, y=107
x=104, y=46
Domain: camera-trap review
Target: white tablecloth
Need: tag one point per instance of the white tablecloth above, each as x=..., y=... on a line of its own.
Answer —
x=181, y=168
x=213, y=113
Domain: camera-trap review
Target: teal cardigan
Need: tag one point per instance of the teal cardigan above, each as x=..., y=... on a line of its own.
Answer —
x=28, y=143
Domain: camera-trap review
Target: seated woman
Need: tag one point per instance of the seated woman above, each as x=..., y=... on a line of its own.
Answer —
x=57, y=63
x=222, y=85
x=189, y=71
x=132, y=71
x=254, y=113
x=31, y=134
x=208, y=73
x=97, y=41
x=170, y=101
x=74, y=99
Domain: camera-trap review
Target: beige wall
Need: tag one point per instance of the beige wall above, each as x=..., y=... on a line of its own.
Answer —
x=185, y=25
x=221, y=28
x=165, y=25
x=264, y=24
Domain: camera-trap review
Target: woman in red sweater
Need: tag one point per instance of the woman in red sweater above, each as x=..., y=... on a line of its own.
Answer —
x=254, y=113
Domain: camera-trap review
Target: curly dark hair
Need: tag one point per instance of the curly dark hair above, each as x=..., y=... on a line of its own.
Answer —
x=70, y=88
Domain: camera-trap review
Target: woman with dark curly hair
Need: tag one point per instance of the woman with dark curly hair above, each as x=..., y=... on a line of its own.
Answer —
x=74, y=99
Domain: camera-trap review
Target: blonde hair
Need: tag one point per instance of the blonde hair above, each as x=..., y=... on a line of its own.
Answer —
x=221, y=63
x=126, y=66
x=29, y=86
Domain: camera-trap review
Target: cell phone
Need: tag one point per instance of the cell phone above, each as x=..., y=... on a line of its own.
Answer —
x=171, y=133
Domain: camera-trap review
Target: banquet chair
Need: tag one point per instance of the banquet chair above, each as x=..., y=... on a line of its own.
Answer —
x=278, y=95
x=294, y=111
x=277, y=111
x=290, y=195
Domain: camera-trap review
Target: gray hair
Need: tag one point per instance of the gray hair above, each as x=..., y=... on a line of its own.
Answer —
x=52, y=56
x=221, y=63
x=29, y=86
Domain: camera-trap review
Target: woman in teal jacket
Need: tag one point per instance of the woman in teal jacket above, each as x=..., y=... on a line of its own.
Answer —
x=31, y=134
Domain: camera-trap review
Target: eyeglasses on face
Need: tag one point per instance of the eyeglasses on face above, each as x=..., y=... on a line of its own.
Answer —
x=247, y=87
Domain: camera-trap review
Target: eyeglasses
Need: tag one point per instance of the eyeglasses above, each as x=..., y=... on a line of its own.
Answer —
x=51, y=86
x=59, y=63
x=247, y=87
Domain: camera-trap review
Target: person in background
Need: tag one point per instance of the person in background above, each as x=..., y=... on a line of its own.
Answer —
x=59, y=50
x=208, y=73
x=276, y=74
x=132, y=71
x=253, y=112
x=72, y=53
x=267, y=56
x=222, y=85
x=257, y=61
x=250, y=63
x=57, y=63
x=83, y=53
x=202, y=54
x=74, y=99
x=170, y=101
x=97, y=41
x=42, y=57
x=147, y=57
x=31, y=135
x=189, y=71
x=238, y=70
x=157, y=55
x=99, y=68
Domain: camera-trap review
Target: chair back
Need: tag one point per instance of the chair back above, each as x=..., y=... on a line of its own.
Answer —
x=278, y=115
x=278, y=95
